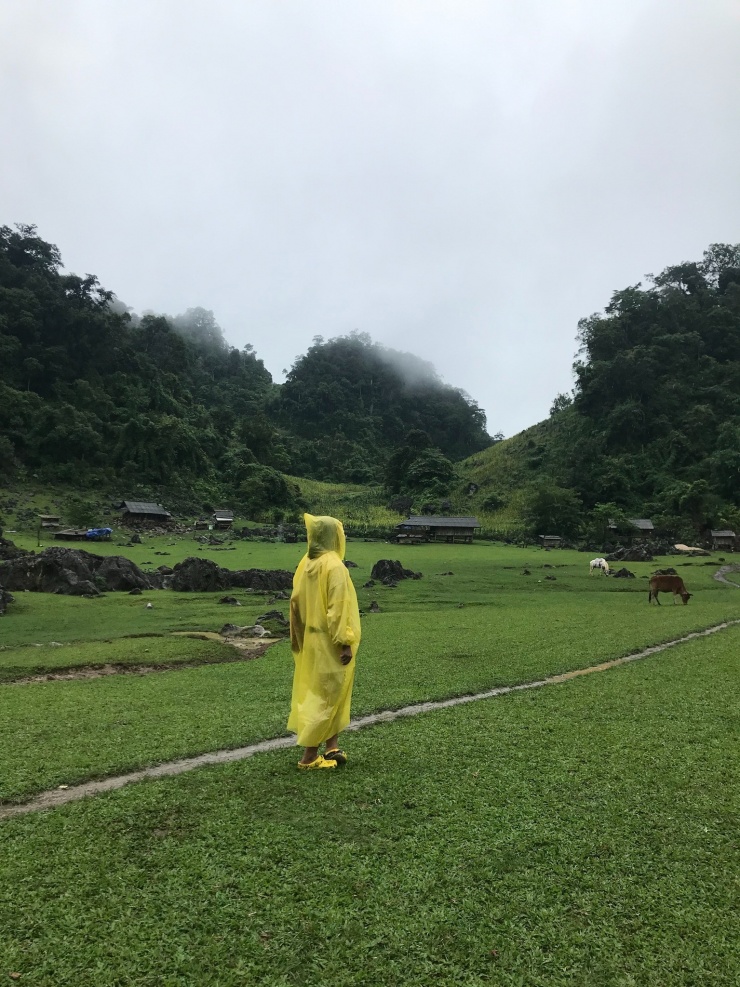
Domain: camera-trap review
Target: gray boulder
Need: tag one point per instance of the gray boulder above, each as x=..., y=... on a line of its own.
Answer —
x=9, y=550
x=268, y=580
x=635, y=553
x=71, y=572
x=390, y=572
x=119, y=573
x=5, y=599
x=195, y=575
x=199, y=575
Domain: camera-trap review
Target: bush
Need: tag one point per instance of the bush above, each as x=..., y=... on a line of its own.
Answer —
x=266, y=495
x=80, y=513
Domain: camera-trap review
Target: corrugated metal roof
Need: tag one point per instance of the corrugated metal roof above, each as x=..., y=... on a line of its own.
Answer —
x=141, y=507
x=723, y=534
x=643, y=523
x=224, y=515
x=440, y=522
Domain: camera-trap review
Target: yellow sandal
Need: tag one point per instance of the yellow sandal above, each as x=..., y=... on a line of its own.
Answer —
x=318, y=762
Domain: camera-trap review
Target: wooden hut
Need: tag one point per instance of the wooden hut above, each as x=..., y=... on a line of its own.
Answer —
x=49, y=521
x=550, y=541
x=643, y=528
x=440, y=529
x=223, y=520
x=84, y=534
x=143, y=512
x=71, y=534
x=724, y=540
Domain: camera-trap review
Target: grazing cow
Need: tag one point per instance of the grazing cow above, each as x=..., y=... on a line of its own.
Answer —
x=668, y=584
x=601, y=564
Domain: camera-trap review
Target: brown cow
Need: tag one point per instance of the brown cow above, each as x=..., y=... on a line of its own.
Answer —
x=668, y=584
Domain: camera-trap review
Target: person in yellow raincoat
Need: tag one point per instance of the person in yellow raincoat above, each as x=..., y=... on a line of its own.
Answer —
x=324, y=636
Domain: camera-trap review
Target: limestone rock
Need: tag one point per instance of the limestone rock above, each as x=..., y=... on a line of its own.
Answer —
x=71, y=572
x=390, y=572
x=5, y=599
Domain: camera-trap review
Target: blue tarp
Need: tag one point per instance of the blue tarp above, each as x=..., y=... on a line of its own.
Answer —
x=97, y=533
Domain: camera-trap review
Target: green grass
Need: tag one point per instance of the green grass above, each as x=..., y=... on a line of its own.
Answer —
x=360, y=507
x=149, y=650
x=584, y=834
x=512, y=628
x=38, y=618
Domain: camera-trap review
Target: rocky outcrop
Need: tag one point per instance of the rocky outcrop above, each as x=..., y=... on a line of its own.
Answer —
x=196, y=575
x=75, y=572
x=9, y=550
x=71, y=572
x=262, y=579
x=636, y=553
x=119, y=573
x=389, y=572
x=5, y=599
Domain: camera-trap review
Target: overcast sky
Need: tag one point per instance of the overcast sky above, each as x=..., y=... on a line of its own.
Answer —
x=462, y=180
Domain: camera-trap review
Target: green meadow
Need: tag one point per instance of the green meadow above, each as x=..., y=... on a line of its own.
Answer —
x=583, y=833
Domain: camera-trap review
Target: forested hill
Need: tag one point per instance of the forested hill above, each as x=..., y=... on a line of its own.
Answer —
x=653, y=425
x=90, y=392
x=351, y=402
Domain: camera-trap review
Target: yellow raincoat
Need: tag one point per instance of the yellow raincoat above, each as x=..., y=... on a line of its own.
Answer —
x=323, y=616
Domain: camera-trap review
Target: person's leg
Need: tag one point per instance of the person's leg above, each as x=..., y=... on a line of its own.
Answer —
x=309, y=754
x=333, y=753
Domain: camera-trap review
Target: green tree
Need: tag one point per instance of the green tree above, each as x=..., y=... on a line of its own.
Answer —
x=414, y=443
x=265, y=494
x=430, y=471
x=604, y=521
x=80, y=513
x=548, y=509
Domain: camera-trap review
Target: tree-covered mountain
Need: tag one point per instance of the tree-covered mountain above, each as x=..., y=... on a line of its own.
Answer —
x=351, y=402
x=653, y=425
x=91, y=392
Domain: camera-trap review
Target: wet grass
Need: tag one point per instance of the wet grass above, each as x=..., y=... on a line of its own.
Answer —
x=39, y=618
x=150, y=650
x=584, y=834
x=423, y=645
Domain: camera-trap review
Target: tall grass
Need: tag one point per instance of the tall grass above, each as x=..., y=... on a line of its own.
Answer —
x=360, y=508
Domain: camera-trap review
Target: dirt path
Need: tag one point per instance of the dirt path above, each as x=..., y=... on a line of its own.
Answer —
x=73, y=793
x=721, y=575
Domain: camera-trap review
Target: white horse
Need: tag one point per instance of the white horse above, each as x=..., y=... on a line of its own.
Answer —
x=598, y=564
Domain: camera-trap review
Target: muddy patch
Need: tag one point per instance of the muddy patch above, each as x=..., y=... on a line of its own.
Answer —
x=236, y=651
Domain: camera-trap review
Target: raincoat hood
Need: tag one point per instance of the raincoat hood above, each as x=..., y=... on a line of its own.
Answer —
x=325, y=534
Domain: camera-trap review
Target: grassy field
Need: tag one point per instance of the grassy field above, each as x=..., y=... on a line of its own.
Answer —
x=360, y=507
x=474, y=621
x=584, y=834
